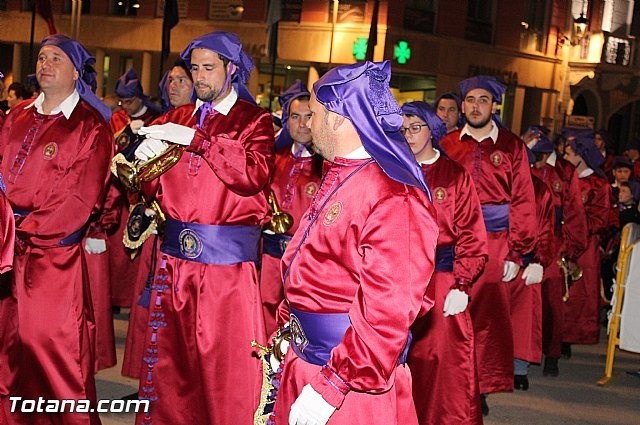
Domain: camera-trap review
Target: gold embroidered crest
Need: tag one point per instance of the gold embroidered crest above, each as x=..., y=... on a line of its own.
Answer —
x=439, y=194
x=50, y=151
x=496, y=158
x=332, y=213
x=557, y=186
x=310, y=189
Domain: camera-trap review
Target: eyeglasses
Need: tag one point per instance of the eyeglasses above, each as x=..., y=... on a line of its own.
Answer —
x=413, y=128
x=126, y=101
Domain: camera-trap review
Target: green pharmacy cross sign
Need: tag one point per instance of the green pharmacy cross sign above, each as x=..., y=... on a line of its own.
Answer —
x=402, y=52
x=360, y=48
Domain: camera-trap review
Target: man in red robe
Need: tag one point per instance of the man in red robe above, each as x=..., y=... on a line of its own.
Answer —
x=497, y=161
x=55, y=154
x=570, y=241
x=581, y=314
x=199, y=367
x=356, y=271
x=294, y=183
x=441, y=358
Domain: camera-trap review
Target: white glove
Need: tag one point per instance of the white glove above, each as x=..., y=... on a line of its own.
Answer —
x=310, y=408
x=533, y=274
x=456, y=302
x=510, y=271
x=171, y=132
x=136, y=125
x=150, y=148
x=95, y=246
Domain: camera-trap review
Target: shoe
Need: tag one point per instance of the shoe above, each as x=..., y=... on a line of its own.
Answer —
x=550, y=367
x=565, y=350
x=635, y=373
x=483, y=405
x=521, y=382
x=133, y=396
x=115, y=310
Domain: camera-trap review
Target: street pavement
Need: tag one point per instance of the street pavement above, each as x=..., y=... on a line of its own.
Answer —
x=573, y=398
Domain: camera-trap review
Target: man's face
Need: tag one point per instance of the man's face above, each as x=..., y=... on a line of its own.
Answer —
x=624, y=195
x=571, y=155
x=622, y=174
x=209, y=74
x=477, y=107
x=449, y=113
x=324, y=137
x=179, y=87
x=417, y=134
x=12, y=99
x=299, y=115
x=131, y=105
x=599, y=141
x=54, y=70
x=632, y=154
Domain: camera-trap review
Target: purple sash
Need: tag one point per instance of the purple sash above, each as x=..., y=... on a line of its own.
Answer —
x=315, y=334
x=274, y=245
x=72, y=239
x=210, y=244
x=444, y=258
x=496, y=217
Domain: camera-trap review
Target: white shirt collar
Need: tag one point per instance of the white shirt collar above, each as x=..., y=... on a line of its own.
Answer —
x=66, y=106
x=358, y=153
x=224, y=106
x=493, y=133
x=305, y=152
x=551, y=160
x=141, y=112
x=585, y=173
x=432, y=160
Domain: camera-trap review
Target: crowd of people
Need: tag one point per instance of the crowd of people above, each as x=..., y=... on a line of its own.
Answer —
x=344, y=256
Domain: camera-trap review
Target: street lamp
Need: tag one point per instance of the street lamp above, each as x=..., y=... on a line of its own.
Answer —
x=580, y=25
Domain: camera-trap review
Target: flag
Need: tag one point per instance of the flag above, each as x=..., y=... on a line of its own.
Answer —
x=273, y=17
x=43, y=8
x=169, y=21
x=373, y=32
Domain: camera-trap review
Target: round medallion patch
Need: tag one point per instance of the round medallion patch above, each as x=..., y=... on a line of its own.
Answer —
x=496, y=158
x=439, y=194
x=123, y=140
x=190, y=243
x=310, y=189
x=332, y=213
x=50, y=151
x=557, y=186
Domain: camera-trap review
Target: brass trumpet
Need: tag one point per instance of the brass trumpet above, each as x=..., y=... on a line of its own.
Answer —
x=572, y=272
x=281, y=221
x=132, y=174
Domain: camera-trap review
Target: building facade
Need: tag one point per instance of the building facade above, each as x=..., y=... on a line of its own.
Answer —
x=554, y=67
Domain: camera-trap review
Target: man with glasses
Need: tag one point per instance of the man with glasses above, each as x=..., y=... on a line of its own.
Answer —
x=294, y=183
x=498, y=163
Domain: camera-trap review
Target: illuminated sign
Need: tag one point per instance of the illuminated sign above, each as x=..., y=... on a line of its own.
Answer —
x=402, y=52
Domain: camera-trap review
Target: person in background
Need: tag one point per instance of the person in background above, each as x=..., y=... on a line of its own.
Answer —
x=441, y=357
x=448, y=109
x=16, y=93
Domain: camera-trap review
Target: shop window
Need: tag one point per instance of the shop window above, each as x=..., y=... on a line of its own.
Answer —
x=420, y=15
x=124, y=7
x=535, y=27
x=479, y=21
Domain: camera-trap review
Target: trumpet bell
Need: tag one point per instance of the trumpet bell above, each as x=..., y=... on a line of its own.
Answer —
x=281, y=221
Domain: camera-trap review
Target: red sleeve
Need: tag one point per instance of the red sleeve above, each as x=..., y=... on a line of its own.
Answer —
x=471, y=246
x=597, y=204
x=7, y=234
x=73, y=198
x=574, y=228
x=397, y=245
x=244, y=163
x=522, y=231
x=544, y=253
x=109, y=218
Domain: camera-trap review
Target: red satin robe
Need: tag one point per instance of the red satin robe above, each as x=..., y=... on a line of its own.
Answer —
x=442, y=359
x=7, y=240
x=204, y=370
x=7, y=234
x=123, y=270
x=581, y=314
x=139, y=315
x=570, y=241
x=294, y=183
x=370, y=254
x=501, y=175
x=526, y=300
x=62, y=182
